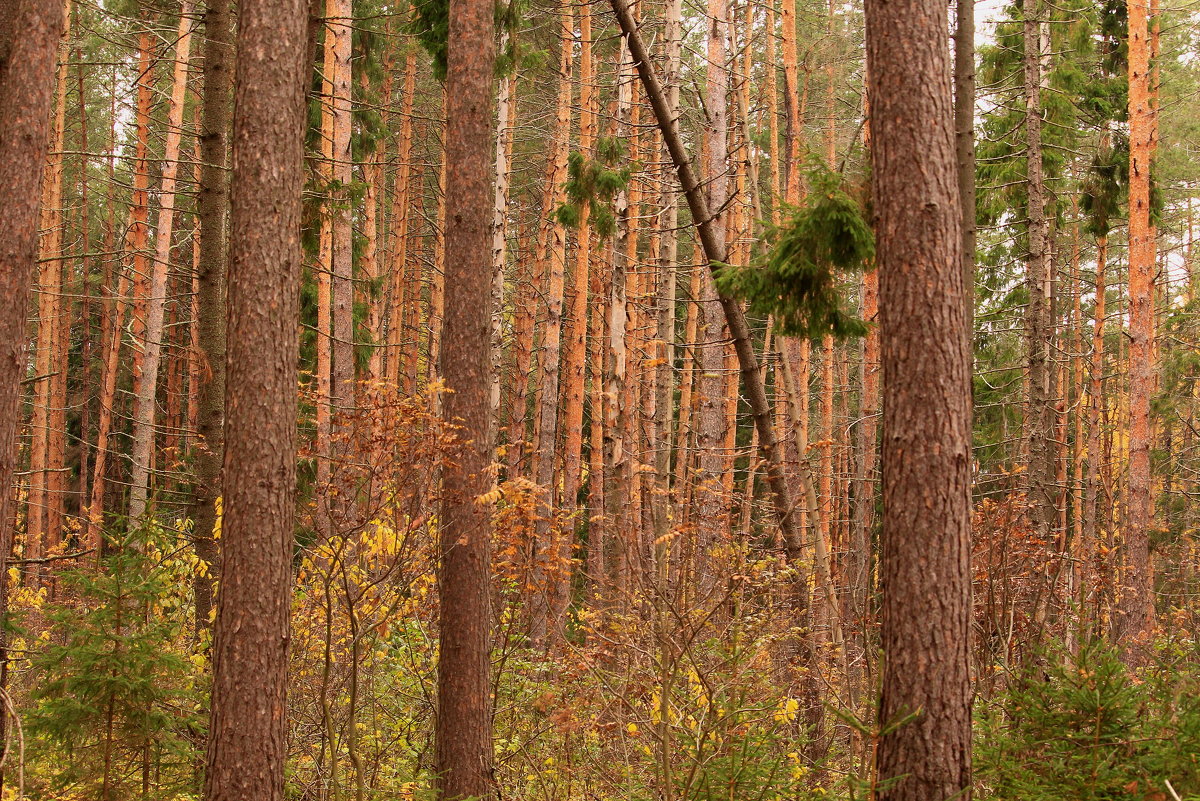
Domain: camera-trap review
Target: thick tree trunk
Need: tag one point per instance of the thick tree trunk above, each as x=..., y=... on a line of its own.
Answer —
x=248, y=731
x=44, y=518
x=464, y=712
x=27, y=63
x=925, y=564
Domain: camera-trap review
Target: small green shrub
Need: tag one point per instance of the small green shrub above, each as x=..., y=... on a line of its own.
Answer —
x=116, y=700
x=1081, y=728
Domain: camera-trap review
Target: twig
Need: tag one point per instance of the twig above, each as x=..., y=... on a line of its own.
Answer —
x=41, y=560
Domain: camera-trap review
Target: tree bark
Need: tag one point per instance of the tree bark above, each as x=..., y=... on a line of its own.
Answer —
x=575, y=361
x=26, y=98
x=339, y=20
x=711, y=520
x=552, y=249
x=668, y=258
x=464, y=712
x=615, y=475
x=964, y=143
x=213, y=213
x=925, y=564
x=248, y=730
x=145, y=403
x=1135, y=614
x=397, y=324
x=44, y=518
x=1040, y=414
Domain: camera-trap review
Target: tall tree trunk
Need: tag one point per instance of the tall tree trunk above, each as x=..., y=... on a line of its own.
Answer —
x=247, y=734
x=401, y=204
x=925, y=564
x=324, y=279
x=964, y=142
x=113, y=326
x=247, y=740
x=575, y=361
x=711, y=522
x=94, y=521
x=139, y=223
x=86, y=265
x=791, y=99
x=372, y=177
x=616, y=361
x=213, y=214
x=1039, y=317
x=1080, y=553
x=1136, y=615
x=599, y=533
x=1095, y=411
x=437, y=275
x=553, y=248
x=522, y=355
x=505, y=134
x=665, y=300
x=27, y=63
x=463, y=728
x=44, y=519
x=147, y=385
x=339, y=21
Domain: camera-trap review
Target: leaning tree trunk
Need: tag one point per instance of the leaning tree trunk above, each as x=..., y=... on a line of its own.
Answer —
x=925, y=562
x=247, y=742
x=714, y=254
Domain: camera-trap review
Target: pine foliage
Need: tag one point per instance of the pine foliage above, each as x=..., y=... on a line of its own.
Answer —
x=796, y=281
